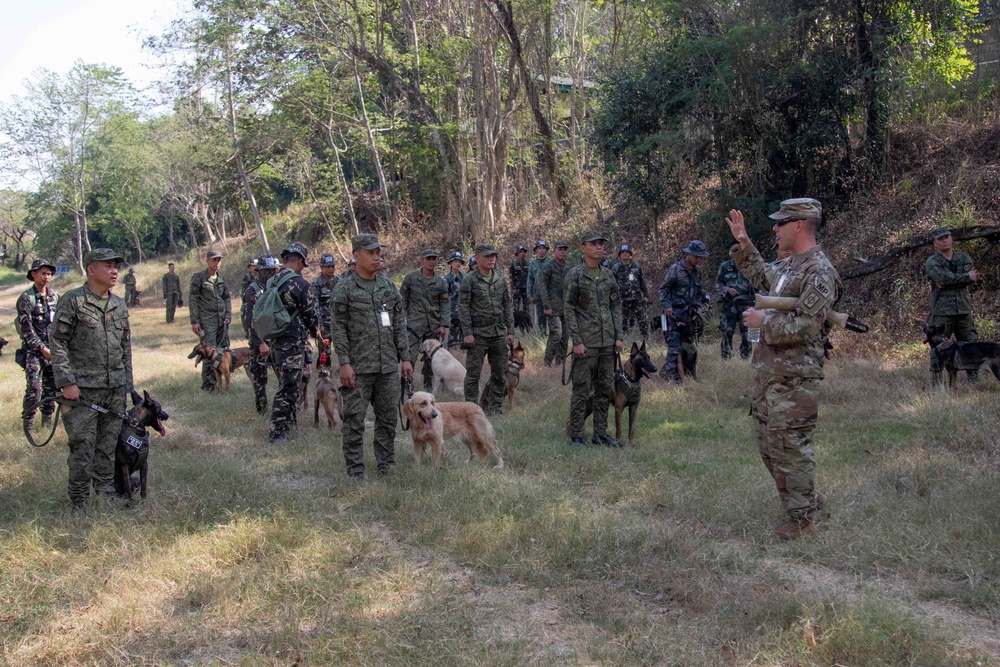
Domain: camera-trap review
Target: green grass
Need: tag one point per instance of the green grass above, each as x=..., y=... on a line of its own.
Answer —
x=656, y=554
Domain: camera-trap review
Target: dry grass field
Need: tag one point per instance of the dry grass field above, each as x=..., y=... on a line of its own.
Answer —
x=659, y=554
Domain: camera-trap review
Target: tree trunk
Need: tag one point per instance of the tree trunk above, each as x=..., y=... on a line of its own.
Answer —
x=79, y=241
x=383, y=187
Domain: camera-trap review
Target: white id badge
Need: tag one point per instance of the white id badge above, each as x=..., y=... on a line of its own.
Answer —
x=631, y=277
x=384, y=318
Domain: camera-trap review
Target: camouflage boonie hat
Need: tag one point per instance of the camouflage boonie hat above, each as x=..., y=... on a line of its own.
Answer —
x=267, y=263
x=541, y=244
x=485, y=250
x=213, y=254
x=940, y=233
x=299, y=249
x=560, y=244
x=472, y=261
x=365, y=242
x=101, y=255
x=625, y=248
x=696, y=248
x=38, y=264
x=428, y=253
x=592, y=235
x=520, y=248
x=352, y=262
x=327, y=260
x=456, y=256
x=799, y=209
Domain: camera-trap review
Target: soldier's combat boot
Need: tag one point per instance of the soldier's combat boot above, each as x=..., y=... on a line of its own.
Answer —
x=47, y=422
x=577, y=442
x=608, y=441
x=795, y=528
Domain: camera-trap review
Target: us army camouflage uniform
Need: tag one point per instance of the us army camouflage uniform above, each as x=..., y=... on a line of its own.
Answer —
x=789, y=366
x=91, y=348
x=519, y=285
x=532, y=288
x=951, y=308
x=732, y=315
x=425, y=301
x=129, y=282
x=34, y=315
x=681, y=290
x=171, y=293
x=486, y=312
x=256, y=367
x=454, y=287
x=593, y=318
x=210, y=307
x=374, y=351
x=632, y=285
x=550, y=293
x=288, y=353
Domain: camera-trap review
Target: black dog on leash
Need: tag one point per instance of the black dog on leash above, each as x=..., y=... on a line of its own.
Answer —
x=132, y=452
x=958, y=356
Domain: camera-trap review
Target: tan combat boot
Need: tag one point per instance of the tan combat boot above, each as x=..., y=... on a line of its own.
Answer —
x=795, y=528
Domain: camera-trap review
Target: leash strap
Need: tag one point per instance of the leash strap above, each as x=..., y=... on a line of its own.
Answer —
x=405, y=392
x=124, y=416
x=565, y=380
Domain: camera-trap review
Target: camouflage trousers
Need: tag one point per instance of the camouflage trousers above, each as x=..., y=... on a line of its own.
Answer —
x=520, y=298
x=634, y=312
x=494, y=350
x=215, y=334
x=555, y=348
x=962, y=327
x=40, y=382
x=130, y=296
x=679, y=346
x=729, y=320
x=171, y=300
x=455, y=332
x=288, y=366
x=92, y=440
x=257, y=370
x=416, y=340
x=785, y=411
x=593, y=378
x=381, y=391
x=541, y=319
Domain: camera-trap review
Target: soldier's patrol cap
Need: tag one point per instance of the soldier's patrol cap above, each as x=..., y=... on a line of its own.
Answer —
x=541, y=244
x=365, y=242
x=940, y=233
x=267, y=263
x=560, y=244
x=131, y=270
x=297, y=248
x=625, y=248
x=213, y=254
x=428, y=253
x=327, y=260
x=485, y=250
x=803, y=208
x=520, y=248
x=456, y=256
x=101, y=255
x=592, y=235
x=696, y=248
x=39, y=264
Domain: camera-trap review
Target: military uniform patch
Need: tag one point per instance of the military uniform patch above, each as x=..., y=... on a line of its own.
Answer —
x=341, y=307
x=810, y=300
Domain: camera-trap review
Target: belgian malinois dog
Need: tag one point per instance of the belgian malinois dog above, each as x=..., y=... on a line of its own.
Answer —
x=958, y=356
x=224, y=361
x=132, y=450
x=628, y=390
x=327, y=395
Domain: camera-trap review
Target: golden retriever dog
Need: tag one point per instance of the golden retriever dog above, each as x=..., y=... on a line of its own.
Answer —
x=224, y=361
x=432, y=423
x=327, y=394
x=448, y=370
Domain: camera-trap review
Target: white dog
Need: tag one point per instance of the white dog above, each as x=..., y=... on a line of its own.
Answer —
x=448, y=370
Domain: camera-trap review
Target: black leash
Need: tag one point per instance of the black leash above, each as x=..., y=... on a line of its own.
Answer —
x=124, y=416
x=405, y=392
x=565, y=380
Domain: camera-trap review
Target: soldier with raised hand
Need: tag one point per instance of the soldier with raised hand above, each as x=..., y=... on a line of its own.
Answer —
x=171, y=291
x=730, y=284
x=487, y=317
x=634, y=293
x=951, y=273
x=593, y=315
x=36, y=309
x=454, y=281
x=788, y=361
x=550, y=293
x=541, y=253
x=369, y=339
x=91, y=344
x=288, y=351
x=519, y=279
x=210, y=307
x=425, y=300
x=129, y=282
x=681, y=297
x=267, y=266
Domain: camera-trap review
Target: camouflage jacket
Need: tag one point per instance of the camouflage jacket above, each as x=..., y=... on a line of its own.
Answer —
x=485, y=308
x=681, y=289
x=298, y=302
x=129, y=281
x=533, y=267
x=322, y=297
x=519, y=277
x=950, y=283
x=550, y=284
x=454, y=287
x=358, y=334
x=209, y=301
x=171, y=283
x=631, y=280
x=91, y=347
x=246, y=280
x=426, y=303
x=792, y=342
x=593, y=308
x=729, y=276
x=250, y=296
x=34, y=315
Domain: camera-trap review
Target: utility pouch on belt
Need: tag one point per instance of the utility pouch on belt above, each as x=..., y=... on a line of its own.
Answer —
x=20, y=357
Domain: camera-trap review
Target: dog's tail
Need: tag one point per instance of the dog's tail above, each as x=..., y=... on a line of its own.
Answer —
x=482, y=439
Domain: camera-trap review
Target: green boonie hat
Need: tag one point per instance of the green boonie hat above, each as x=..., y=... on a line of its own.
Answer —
x=213, y=254
x=592, y=235
x=327, y=260
x=940, y=233
x=485, y=250
x=560, y=244
x=39, y=264
x=365, y=242
x=101, y=255
x=299, y=249
x=429, y=252
x=799, y=209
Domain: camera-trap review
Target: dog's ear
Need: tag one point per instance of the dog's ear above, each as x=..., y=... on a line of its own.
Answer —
x=136, y=398
x=643, y=348
x=408, y=408
x=146, y=398
x=635, y=348
x=194, y=353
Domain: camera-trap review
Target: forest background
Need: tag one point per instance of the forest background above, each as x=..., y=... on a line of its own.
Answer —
x=449, y=122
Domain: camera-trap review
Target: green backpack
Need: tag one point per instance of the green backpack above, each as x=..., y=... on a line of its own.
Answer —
x=270, y=317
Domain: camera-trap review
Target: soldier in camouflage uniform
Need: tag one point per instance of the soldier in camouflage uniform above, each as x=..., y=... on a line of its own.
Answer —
x=129, y=282
x=789, y=358
x=288, y=351
x=322, y=296
x=635, y=295
x=454, y=280
x=352, y=268
x=541, y=254
x=369, y=339
x=267, y=266
x=594, y=320
x=487, y=316
x=210, y=307
x=519, y=279
x=91, y=343
x=249, y=276
x=36, y=309
x=425, y=300
x=550, y=294
x=730, y=284
x=171, y=291
x=682, y=297
x=951, y=273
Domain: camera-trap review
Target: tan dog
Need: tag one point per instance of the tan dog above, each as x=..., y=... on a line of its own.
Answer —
x=328, y=395
x=448, y=370
x=224, y=361
x=511, y=375
x=432, y=423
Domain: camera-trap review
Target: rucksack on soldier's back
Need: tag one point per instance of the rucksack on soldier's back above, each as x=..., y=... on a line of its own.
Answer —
x=270, y=317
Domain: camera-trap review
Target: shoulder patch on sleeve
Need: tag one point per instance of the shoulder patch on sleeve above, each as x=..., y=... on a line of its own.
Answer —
x=341, y=307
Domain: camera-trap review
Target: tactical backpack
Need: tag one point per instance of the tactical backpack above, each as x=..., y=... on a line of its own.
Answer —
x=270, y=317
